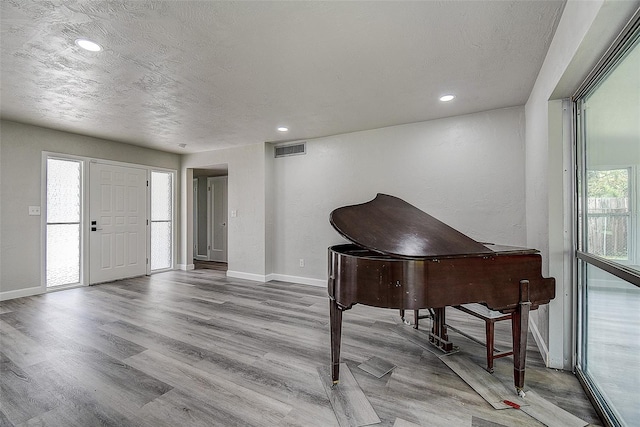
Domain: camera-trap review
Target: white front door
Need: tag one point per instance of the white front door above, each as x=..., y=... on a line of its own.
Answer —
x=118, y=222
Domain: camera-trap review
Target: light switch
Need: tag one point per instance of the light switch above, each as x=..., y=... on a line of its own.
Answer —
x=34, y=210
x=234, y=213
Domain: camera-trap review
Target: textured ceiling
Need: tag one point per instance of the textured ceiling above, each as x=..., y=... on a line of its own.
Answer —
x=215, y=74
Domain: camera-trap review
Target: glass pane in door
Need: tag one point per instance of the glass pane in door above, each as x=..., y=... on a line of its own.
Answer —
x=609, y=322
x=612, y=322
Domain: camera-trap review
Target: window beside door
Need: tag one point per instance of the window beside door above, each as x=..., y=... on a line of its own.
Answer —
x=161, y=220
x=63, y=221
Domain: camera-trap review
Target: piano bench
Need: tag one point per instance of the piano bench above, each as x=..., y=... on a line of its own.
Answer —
x=490, y=317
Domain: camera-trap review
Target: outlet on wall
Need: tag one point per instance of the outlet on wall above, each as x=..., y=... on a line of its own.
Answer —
x=301, y=262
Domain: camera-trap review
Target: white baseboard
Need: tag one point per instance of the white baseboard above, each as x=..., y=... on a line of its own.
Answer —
x=247, y=276
x=186, y=267
x=297, y=279
x=542, y=346
x=282, y=277
x=19, y=293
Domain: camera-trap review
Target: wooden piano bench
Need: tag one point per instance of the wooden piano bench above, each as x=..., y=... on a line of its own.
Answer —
x=490, y=317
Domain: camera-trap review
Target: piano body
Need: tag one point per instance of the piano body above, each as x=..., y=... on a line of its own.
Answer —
x=403, y=258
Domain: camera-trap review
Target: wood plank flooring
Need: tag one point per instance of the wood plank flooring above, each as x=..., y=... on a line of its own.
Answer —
x=198, y=349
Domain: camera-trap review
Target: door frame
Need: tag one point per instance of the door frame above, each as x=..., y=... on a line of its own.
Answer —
x=86, y=221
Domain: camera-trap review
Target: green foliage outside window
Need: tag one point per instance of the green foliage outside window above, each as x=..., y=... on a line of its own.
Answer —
x=608, y=183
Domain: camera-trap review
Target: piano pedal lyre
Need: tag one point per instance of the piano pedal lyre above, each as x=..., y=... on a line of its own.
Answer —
x=416, y=318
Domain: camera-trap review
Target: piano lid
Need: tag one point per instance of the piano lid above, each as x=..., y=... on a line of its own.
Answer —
x=391, y=226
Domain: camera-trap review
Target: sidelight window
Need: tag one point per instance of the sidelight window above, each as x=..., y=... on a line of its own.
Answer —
x=63, y=221
x=161, y=220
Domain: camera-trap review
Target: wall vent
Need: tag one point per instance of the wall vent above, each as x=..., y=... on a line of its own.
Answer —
x=291, y=149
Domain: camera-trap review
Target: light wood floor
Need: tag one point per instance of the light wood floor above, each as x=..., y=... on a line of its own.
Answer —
x=198, y=349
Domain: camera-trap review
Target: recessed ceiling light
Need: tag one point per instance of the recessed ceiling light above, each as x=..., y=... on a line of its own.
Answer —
x=88, y=45
x=446, y=98
x=283, y=129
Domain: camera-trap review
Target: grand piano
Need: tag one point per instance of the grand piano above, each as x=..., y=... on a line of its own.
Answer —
x=403, y=258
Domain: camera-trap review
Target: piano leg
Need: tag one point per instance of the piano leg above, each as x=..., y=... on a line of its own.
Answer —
x=520, y=329
x=335, y=319
x=438, y=335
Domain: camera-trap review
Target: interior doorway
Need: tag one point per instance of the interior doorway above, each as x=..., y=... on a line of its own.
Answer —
x=217, y=218
x=210, y=230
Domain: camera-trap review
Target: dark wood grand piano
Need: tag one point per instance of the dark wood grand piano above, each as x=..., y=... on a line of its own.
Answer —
x=405, y=259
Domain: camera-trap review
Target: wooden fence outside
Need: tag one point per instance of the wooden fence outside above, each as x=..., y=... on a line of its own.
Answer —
x=608, y=227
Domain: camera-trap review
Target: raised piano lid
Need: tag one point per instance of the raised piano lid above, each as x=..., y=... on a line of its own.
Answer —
x=391, y=226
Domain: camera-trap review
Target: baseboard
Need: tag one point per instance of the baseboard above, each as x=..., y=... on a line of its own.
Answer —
x=247, y=276
x=186, y=267
x=297, y=279
x=542, y=346
x=282, y=277
x=19, y=293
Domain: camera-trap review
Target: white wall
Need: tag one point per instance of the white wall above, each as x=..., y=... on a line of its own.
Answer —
x=467, y=171
x=22, y=146
x=585, y=30
x=246, y=195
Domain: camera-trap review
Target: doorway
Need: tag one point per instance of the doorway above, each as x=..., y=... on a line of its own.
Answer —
x=608, y=224
x=104, y=221
x=210, y=230
x=217, y=218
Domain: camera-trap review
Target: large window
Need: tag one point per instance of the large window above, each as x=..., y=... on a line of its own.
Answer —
x=608, y=128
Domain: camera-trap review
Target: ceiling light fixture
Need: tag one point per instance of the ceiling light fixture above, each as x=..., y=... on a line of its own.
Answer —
x=447, y=98
x=88, y=45
x=283, y=129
